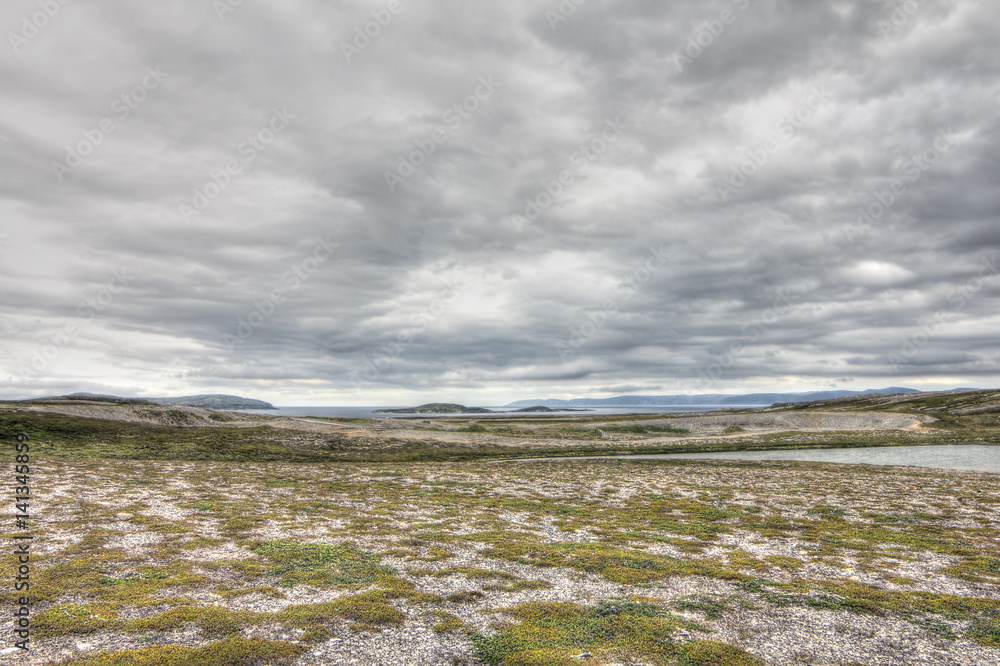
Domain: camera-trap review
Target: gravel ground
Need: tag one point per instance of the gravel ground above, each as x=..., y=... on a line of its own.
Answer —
x=143, y=506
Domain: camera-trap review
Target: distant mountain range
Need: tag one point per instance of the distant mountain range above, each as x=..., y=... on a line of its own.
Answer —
x=703, y=399
x=210, y=401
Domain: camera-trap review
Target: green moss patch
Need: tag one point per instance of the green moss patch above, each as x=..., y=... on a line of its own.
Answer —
x=229, y=652
x=370, y=610
x=616, y=629
x=213, y=621
x=619, y=565
x=321, y=564
x=447, y=623
x=74, y=619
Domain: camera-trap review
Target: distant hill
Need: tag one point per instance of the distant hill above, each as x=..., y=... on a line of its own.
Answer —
x=953, y=401
x=212, y=401
x=92, y=397
x=542, y=408
x=436, y=408
x=720, y=399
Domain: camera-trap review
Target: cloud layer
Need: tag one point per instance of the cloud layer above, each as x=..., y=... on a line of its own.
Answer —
x=360, y=202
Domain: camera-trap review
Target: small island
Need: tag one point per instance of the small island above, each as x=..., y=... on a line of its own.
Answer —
x=437, y=408
x=543, y=408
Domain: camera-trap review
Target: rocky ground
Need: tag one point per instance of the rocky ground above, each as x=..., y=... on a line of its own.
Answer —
x=144, y=414
x=505, y=431
x=163, y=562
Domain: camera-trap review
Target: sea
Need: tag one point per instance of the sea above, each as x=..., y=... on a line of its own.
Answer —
x=369, y=412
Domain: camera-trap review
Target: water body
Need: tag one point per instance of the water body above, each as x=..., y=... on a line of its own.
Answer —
x=969, y=457
x=369, y=412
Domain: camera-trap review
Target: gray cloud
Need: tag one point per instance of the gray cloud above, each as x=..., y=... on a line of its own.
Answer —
x=438, y=289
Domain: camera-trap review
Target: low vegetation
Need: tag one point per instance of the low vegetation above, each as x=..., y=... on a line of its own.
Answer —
x=215, y=561
x=960, y=419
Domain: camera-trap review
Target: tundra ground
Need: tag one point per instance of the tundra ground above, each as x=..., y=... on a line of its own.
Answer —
x=197, y=544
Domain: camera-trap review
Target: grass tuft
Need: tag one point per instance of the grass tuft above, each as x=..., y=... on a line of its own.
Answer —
x=615, y=630
x=233, y=651
x=321, y=564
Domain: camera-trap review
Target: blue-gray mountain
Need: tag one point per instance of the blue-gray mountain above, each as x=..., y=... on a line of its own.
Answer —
x=703, y=399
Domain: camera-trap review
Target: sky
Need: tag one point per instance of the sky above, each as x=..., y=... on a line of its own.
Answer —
x=388, y=202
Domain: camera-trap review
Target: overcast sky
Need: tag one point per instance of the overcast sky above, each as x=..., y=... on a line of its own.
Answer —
x=379, y=202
